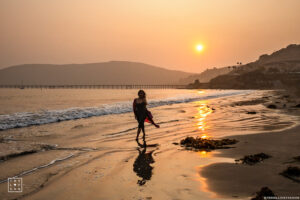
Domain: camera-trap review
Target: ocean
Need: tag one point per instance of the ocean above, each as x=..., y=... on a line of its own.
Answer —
x=29, y=107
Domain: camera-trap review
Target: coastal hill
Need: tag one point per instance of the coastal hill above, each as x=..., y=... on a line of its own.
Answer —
x=290, y=53
x=278, y=70
x=206, y=75
x=284, y=60
x=114, y=72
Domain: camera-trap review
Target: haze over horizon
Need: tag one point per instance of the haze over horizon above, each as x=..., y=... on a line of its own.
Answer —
x=161, y=33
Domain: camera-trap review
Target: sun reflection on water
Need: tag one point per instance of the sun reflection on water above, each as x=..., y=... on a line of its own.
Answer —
x=203, y=110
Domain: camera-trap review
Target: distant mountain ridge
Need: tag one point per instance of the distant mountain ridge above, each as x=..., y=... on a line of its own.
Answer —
x=113, y=72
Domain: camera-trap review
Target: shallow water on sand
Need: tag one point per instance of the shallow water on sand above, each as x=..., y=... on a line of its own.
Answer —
x=102, y=159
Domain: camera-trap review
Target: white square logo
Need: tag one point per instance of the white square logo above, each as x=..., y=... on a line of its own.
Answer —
x=15, y=185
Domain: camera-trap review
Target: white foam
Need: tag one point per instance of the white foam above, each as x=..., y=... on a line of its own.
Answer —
x=25, y=119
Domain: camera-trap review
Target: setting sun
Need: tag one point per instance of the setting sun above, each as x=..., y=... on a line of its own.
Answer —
x=199, y=47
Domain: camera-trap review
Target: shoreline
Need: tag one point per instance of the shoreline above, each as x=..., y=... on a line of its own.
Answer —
x=237, y=180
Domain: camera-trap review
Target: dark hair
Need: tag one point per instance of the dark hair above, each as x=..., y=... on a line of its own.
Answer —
x=142, y=92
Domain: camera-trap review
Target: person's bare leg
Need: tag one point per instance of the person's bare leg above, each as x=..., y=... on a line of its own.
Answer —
x=144, y=134
x=138, y=133
x=151, y=120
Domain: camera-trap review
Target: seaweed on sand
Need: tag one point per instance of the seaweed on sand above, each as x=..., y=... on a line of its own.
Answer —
x=297, y=158
x=272, y=106
x=253, y=159
x=206, y=144
x=264, y=192
x=292, y=173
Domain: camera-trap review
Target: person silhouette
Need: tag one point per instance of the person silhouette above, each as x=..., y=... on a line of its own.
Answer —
x=141, y=113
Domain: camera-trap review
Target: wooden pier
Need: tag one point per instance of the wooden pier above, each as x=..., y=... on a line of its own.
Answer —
x=96, y=86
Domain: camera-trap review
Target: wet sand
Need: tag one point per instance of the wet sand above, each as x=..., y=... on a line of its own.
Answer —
x=242, y=180
x=97, y=159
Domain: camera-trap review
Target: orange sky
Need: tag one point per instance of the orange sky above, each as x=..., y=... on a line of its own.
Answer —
x=158, y=32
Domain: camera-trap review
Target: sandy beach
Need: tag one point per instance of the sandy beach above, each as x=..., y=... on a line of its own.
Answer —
x=95, y=158
x=225, y=179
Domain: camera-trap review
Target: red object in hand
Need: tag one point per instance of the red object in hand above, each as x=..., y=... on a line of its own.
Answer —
x=149, y=117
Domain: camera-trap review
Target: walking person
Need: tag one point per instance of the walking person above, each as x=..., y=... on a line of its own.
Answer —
x=141, y=113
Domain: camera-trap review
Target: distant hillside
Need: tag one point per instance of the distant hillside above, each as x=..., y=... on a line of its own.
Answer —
x=207, y=75
x=290, y=53
x=285, y=60
x=114, y=72
x=281, y=69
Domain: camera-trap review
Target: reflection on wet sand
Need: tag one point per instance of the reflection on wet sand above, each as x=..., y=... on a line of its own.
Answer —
x=203, y=110
x=204, y=154
x=142, y=164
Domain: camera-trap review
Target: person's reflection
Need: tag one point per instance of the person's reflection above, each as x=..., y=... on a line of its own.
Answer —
x=142, y=166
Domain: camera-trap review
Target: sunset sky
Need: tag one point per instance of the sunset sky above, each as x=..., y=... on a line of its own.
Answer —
x=159, y=32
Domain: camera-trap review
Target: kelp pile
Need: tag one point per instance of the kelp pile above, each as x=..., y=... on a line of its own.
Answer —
x=292, y=173
x=206, y=144
x=297, y=158
x=264, y=192
x=253, y=159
